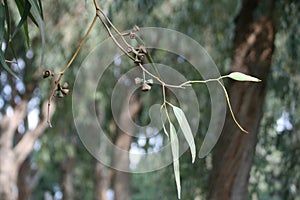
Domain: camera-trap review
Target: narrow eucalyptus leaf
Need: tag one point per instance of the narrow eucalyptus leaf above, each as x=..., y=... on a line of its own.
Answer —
x=163, y=119
x=2, y=21
x=37, y=15
x=24, y=15
x=238, y=76
x=175, y=154
x=25, y=25
x=41, y=8
x=7, y=18
x=186, y=129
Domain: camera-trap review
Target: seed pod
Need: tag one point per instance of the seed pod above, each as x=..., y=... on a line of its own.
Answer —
x=149, y=81
x=129, y=49
x=138, y=80
x=65, y=85
x=146, y=87
x=47, y=73
x=132, y=35
x=137, y=61
x=135, y=28
x=59, y=94
x=65, y=91
x=143, y=49
x=141, y=56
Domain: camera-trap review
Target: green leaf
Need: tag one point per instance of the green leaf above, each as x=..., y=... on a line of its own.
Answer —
x=175, y=154
x=23, y=19
x=186, y=129
x=26, y=34
x=238, y=76
x=7, y=17
x=163, y=119
x=5, y=66
x=20, y=5
x=2, y=21
x=37, y=15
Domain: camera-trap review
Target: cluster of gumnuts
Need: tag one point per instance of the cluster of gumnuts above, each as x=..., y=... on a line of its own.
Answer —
x=61, y=90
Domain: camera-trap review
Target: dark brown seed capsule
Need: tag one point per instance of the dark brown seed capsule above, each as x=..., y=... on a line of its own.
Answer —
x=46, y=74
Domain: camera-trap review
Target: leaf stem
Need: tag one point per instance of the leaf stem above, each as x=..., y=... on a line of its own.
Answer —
x=58, y=80
x=230, y=108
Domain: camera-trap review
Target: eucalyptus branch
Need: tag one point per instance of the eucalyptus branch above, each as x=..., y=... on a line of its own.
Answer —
x=139, y=53
x=110, y=23
x=57, y=83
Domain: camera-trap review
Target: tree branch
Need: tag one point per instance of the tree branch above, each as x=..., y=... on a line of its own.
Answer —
x=10, y=124
x=25, y=145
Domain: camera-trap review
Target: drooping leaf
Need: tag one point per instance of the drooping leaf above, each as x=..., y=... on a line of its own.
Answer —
x=7, y=18
x=25, y=25
x=2, y=21
x=163, y=119
x=186, y=129
x=5, y=66
x=238, y=76
x=37, y=15
x=20, y=5
x=175, y=154
x=41, y=9
x=23, y=20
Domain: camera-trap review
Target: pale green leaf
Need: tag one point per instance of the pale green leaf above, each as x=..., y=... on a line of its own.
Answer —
x=186, y=129
x=175, y=154
x=238, y=76
x=163, y=119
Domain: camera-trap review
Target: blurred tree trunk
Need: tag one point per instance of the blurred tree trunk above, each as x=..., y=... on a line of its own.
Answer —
x=102, y=181
x=253, y=47
x=27, y=180
x=121, y=183
x=67, y=167
x=15, y=150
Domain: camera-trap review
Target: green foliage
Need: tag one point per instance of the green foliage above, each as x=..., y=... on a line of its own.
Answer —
x=27, y=9
x=185, y=127
x=238, y=76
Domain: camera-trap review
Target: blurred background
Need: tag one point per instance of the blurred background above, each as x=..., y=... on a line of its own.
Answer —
x=260, y=38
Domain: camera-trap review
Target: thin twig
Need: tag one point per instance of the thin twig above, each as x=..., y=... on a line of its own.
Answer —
x=231, y=112
x=57, y=81
x=158, y=79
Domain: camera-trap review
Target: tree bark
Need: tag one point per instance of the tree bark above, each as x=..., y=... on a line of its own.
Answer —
x=13, y=155
x=102, y=181
x=233, y=155
x=67, y=167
